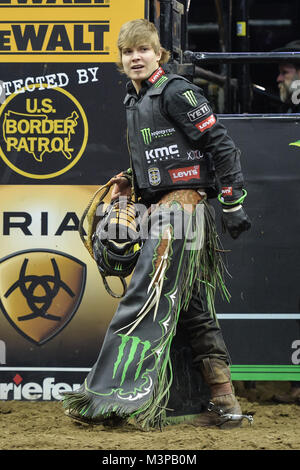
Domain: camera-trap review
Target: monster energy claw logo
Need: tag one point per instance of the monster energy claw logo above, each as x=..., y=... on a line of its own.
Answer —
x=146, y=133
x=190, y=96
x=133, y=352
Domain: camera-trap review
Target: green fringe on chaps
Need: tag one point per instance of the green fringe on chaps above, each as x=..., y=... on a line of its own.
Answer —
x=133, y=373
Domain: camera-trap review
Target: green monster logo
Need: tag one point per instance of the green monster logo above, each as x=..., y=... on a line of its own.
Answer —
x=160, y=81
x=133, y=354
x=190, y=96
x=146, y=133
x=296, y=144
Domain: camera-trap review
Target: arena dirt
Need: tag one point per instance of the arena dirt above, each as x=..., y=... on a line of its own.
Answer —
x=43, y=426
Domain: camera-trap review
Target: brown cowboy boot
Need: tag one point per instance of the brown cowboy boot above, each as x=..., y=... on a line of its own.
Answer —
x=224, y=410
x=292, y=396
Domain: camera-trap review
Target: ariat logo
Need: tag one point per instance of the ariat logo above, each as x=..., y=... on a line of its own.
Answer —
x=185, y=174
x=206, y=124
x=40, y=292
x=191, y=98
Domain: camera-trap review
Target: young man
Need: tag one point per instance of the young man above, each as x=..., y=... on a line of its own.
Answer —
x=177, y=149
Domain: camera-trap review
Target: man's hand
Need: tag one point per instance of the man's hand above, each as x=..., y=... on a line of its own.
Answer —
x=235, y=221
x=121, y=187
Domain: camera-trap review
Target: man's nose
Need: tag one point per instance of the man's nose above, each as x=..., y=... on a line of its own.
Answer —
x=279, y=78
x=136, y=55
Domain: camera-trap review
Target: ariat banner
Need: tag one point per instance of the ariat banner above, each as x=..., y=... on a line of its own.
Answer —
x=63, y=30
x=53, y=303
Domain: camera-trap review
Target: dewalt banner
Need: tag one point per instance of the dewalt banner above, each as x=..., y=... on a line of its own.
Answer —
x=63, y=30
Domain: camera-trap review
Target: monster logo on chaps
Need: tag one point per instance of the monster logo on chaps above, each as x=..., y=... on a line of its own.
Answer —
x=40, y=292
x=133, y=357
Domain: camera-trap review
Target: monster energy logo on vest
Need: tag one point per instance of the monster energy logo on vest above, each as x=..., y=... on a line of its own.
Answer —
x=133, y=351
x=148, y=135
x=190, y=96
x=160, y=81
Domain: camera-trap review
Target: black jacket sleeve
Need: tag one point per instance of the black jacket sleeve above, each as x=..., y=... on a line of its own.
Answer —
x=185, y=104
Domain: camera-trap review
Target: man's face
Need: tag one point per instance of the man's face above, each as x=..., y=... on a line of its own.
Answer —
x=287, y=74
x=140, y=62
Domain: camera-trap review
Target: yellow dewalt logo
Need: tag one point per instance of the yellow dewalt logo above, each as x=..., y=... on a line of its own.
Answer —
x=64, y=30
x=54, y=37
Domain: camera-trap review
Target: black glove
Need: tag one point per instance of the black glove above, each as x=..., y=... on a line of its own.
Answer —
x=235, y=222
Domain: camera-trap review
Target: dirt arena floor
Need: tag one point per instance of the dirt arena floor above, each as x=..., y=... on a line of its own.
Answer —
x=43, y=426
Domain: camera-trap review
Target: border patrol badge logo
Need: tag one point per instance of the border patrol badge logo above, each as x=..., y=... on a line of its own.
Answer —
x=40, y=291
x=154, y=176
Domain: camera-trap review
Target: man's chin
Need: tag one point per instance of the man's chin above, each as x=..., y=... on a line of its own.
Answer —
x=283, y=95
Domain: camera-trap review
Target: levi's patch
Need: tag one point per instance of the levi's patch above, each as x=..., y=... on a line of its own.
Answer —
x=185, y=174
x=227, y=191
x=156, y=75
x=206, y=123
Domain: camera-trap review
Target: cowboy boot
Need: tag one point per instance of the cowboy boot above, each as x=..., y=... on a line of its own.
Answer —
x=223, y=401
x=292, y=396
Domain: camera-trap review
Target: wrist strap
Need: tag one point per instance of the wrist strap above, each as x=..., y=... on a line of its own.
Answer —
x=238, y=201
x=232, y=209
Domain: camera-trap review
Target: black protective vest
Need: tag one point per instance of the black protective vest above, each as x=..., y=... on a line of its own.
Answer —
x=161, y=156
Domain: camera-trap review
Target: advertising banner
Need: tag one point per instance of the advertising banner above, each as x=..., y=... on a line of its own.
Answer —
x=63, y=30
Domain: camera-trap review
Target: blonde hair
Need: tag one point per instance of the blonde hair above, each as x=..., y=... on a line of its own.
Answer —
x=140, y=32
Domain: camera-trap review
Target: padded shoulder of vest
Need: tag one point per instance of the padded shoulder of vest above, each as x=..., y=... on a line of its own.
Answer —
x=170, y=78
x=153, y=91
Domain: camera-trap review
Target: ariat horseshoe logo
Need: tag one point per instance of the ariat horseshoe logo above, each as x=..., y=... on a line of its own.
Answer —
x=34, y=282
x=40, y=292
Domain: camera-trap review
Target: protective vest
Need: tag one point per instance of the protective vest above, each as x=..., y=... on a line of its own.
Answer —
x=162, y=158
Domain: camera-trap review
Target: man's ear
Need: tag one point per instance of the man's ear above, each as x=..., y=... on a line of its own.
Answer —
x=160, y=54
